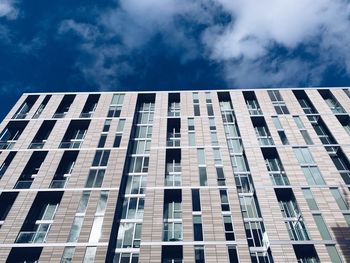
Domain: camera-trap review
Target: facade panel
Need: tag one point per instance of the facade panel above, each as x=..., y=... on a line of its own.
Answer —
x=190, y=176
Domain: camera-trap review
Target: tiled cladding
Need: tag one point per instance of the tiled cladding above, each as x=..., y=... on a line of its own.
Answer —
x=110, y=177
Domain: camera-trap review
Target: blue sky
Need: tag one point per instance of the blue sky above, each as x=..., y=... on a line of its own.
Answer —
x=171, y=44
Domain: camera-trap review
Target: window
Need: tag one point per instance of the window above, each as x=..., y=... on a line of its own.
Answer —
x=196, y=202
x=38, y=222
x=196, y=104
x=7, y=199
x=75, y=134
x=313, y=175
x=119, y=133
x=302, y=130
x=174, y=107
x=197, y=228
x=190, y=124
x=244, y=183
x=126, y=257
x=136, y=184
x=172, y=215
x=129, y=235
x=331, y=101
x=68, y=254
x=75, y=229
x=173, y=133
x=303, y=156
x=116, y=105
x=139, y=164
x=232, y=254
x=28, y=103
x=321, y=225
x=90, y=254
x=107, y=125
x=306, y=253
x=90, y=106
x=173, y=167
x=64, y=106
x=101, y=158
x=102, y=141
x=339, y=199
x=254, y=232
x=200, y=156
x=95, y=178
x=203, y=180
x=96, y=229
x=41, y=107
x=252, y=103
x=310, y=199
x=280, y=130
x=64, y=169
x=262, y=132
x=228, y=227
x=209, y=104
x=133, y=208
x=11, y=134
x=304, y=102
x=297, y=230
x=31, y=169
x=225, y=206
x=6, y=163
x=278, y=102
x=192, y=139
x=249, y=207
x=199, y=254
x=333, y=254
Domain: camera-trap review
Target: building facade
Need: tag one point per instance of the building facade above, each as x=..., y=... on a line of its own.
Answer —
x=190, y=176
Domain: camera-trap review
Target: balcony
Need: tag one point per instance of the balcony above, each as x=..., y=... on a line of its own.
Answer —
x=31, y=237
x=23, y=184
x=71, y=144
x=37, y=145
x=58, y=183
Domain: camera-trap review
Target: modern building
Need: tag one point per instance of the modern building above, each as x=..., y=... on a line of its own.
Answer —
x=191, y=176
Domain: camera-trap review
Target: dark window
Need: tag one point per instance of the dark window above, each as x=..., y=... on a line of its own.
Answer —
x=11, y=133
x=90, y=105
x=24, y=254
x=6, y=163
x=199, y=254
x=101, y=158
x=174, y=104
x=102, y=141
x=306, y=253
x=64, y=106
x=197, y=228
x=41, y=107
x=42, y=134
x=172, y=254
x=6, y=201
x=196, y=201
x=232, y=254
x=75, y=134
x=32, y=168
x=21, y=113
x=117, y=141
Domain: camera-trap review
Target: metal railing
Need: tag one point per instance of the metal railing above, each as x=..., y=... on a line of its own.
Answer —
x=23, y=184
x=31, y=237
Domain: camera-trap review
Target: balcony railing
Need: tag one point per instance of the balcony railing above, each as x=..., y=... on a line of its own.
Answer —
x=71, y=144
x=58, y=183
x=7, y=145
x=31, y=237
x=59, y=115
x=19, y=116
x=23, y=184
x=37, y=145
x=86, y=114
x=170, y=235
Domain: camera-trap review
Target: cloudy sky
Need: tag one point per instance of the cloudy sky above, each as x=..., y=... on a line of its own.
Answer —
x=171, y=44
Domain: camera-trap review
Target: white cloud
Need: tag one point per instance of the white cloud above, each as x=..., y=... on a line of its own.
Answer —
x=8, y=9
x=257, y=25
x=244, y=46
